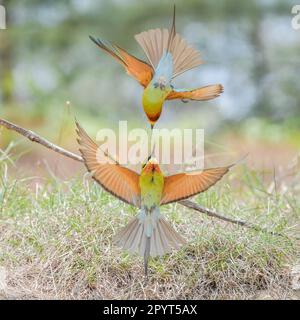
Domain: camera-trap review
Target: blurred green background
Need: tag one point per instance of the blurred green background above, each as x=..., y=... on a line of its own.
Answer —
x=250, y=47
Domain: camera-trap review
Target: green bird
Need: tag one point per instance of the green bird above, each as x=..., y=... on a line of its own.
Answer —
x=169, y=55
x=148, y=233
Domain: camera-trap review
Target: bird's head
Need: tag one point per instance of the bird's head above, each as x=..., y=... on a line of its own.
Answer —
x=151, y=166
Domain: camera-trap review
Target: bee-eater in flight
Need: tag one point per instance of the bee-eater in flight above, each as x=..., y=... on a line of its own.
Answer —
x=169, y=55
x=148, y=234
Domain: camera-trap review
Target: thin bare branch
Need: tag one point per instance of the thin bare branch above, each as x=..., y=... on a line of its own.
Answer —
x=210, y=213
x=38, y=139
x=187, y=203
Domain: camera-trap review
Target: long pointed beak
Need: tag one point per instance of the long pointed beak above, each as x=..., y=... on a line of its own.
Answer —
x=152, y=153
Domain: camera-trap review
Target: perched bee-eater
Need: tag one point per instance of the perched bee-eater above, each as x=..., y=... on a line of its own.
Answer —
x=148, y=233
x=169, y=55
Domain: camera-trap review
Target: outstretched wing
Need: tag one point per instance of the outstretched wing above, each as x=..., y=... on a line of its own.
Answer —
x=184, y=185
x=121, y=182
x=155, y=41
x=138, y=69
x=200, y=94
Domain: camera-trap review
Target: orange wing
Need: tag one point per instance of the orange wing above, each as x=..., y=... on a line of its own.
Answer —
x=184, y=185
x=200, y=94
x=135, y=67
x=119, y=181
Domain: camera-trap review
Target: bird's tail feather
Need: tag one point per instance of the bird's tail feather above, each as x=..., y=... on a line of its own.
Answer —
x=163, y=237
x=155, y=42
